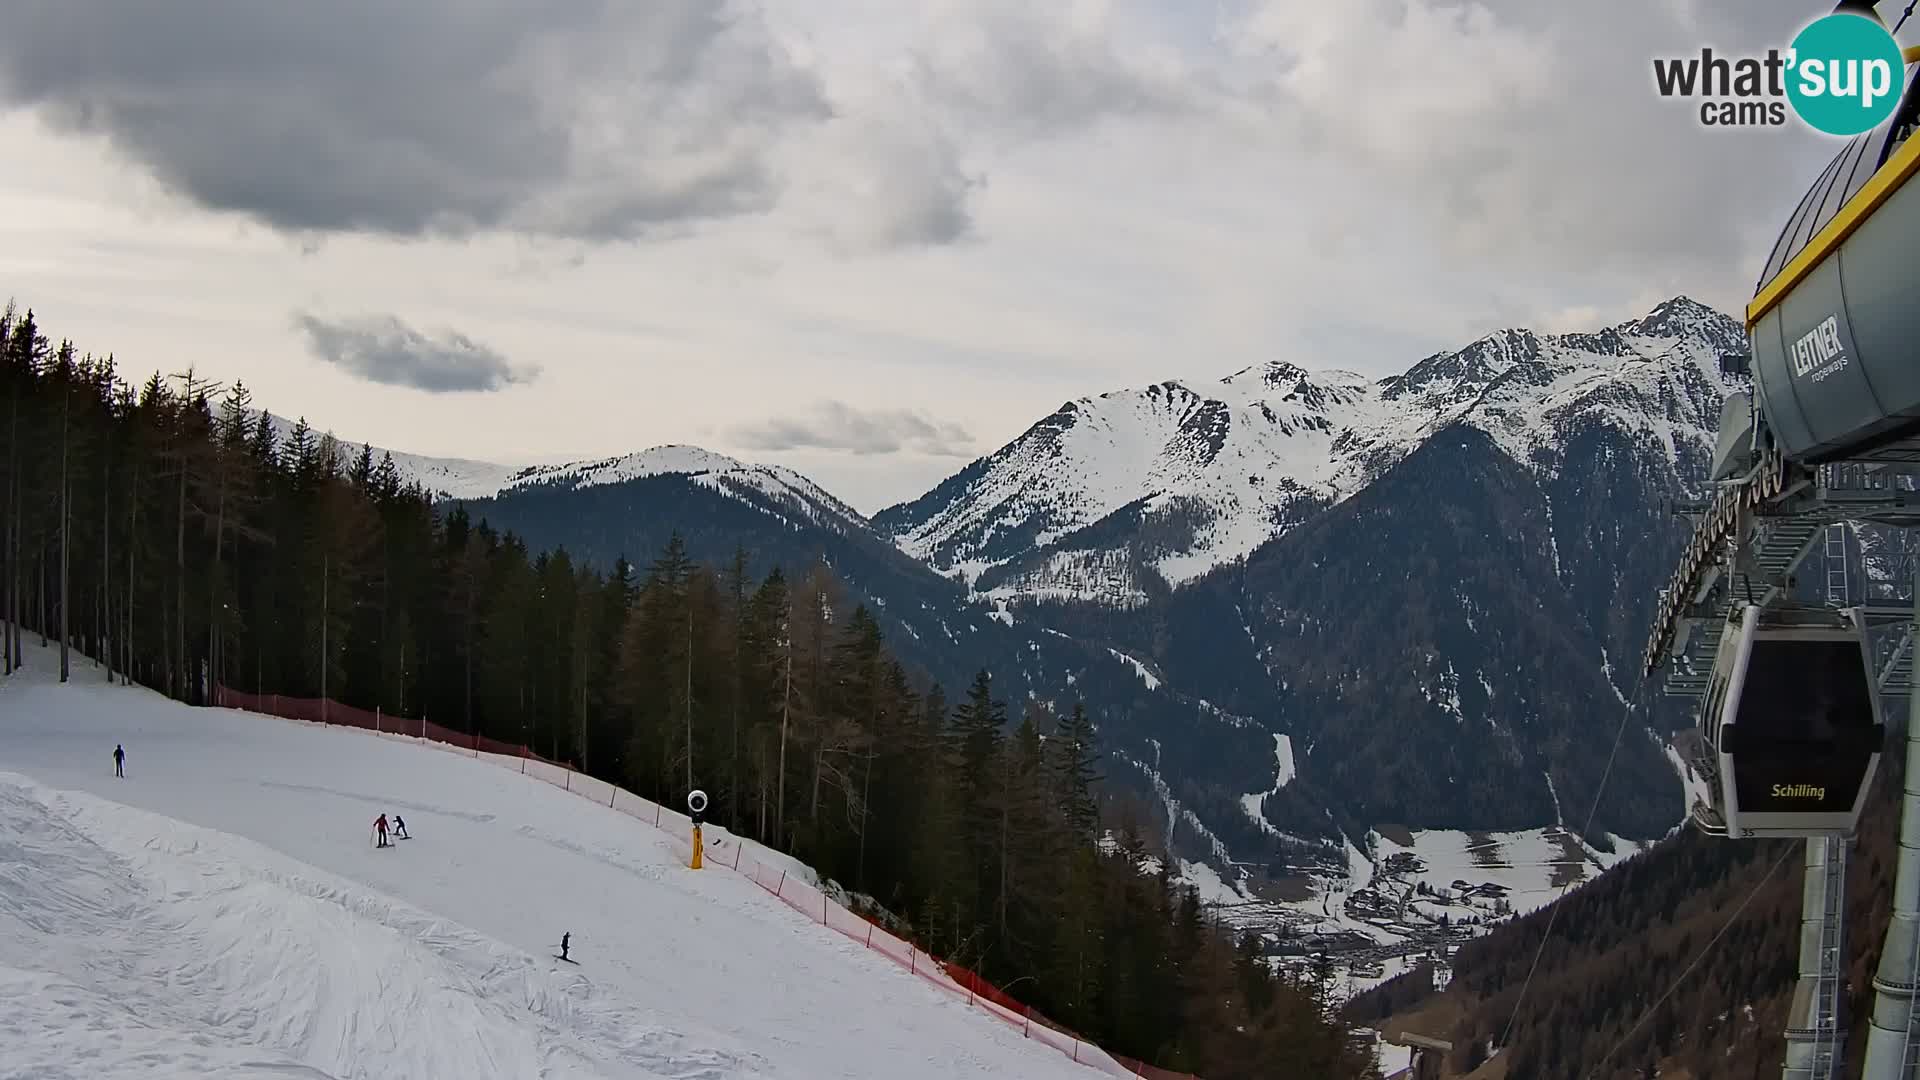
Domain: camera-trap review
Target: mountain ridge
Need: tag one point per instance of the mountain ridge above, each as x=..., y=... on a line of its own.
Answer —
x=1183, y=477
x=1452, y=385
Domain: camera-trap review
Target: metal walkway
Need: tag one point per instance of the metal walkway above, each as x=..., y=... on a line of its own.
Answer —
x=1782, y=538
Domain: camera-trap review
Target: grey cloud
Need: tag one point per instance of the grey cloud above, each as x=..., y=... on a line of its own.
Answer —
x=835, y=425
x=1531, y=133
x=580, y=118
x=382, y=349
x=894, y=181
x=1040, y=69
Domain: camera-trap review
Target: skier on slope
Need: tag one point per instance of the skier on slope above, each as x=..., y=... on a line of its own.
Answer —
x=119, y=760
x=400, y=828
x=380, y=826
x=564, y=938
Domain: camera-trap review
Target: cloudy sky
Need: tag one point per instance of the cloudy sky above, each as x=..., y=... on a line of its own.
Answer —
x=866, y=239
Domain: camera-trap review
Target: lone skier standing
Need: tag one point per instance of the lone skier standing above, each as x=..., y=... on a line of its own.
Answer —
x=119, y=760
x=564, y=938
x=380, y=826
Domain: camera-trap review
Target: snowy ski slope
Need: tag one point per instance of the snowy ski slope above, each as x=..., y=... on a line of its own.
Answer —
x=223, y=912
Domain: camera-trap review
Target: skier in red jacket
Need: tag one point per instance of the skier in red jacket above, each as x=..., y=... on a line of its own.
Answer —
x=380, y=826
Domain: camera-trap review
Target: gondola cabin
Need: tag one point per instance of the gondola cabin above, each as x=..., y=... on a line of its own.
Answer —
x=1835, y=315
x=1791, y=719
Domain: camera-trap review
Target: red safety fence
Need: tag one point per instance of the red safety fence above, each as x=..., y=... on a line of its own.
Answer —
x=724, y=850
x=328, y=711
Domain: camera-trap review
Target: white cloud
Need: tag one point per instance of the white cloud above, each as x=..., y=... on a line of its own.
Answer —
x=969, y=210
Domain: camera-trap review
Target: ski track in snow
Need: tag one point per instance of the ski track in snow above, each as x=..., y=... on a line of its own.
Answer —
x=227, y=916
x=248, y=956
x=1255, y=803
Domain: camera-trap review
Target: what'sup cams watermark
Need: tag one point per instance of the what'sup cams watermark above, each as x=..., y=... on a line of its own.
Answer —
x=1841, y=75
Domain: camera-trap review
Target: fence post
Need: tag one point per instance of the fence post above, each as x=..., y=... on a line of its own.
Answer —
x=610, y=798
x=869, y=935
x=656, y=815
x=376, y=720
x=783, y=884
x=823, y=908
x=523, y=761
x=569, y=779
x=736, y=853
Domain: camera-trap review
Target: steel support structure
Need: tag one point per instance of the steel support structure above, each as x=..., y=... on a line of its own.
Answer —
x=1891, y=1045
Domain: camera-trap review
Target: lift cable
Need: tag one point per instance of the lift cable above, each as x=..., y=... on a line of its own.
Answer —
x=1553, y=906
x=1904, y=14
x=1702, y=955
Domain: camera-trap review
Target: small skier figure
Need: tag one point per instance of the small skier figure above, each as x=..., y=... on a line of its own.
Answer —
x=119, y=760
x=400, y=828
x=564, y=938
x=380, y=825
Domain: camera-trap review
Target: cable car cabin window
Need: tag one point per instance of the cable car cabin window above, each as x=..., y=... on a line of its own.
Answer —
x=1802, y=692
x=1856, y=167
x=1840, y=181
x=1783, y=248
x=1818, y=212
x=1805, y=733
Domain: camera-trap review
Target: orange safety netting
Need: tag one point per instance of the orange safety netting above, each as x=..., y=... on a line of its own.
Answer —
x=722, y=850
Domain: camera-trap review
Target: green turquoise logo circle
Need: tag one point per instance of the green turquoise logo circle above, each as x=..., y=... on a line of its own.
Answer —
x=1846, y=74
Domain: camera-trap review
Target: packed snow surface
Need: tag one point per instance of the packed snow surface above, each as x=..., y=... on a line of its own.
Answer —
x=222, y=911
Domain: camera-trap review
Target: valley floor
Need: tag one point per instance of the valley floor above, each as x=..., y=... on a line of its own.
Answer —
x=1408, y=897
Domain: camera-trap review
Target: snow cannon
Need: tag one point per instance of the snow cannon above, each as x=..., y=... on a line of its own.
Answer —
x=697, y=807
x=1834, y=324
x=1791, y=724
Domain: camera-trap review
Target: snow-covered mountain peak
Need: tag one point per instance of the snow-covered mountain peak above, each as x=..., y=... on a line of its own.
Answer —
x=657, y=461
x=1273, y=374
x=1280, y=384
x=1188, y=476
x=776, y=489
x=770, y=485
x=1455, y=378
x=1682, y=316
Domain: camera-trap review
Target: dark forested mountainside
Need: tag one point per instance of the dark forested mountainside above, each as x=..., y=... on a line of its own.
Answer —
x=1207, y=757
x=168, y=532
x=1628, y=937
x=1434, y=660
x=1422, y=646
